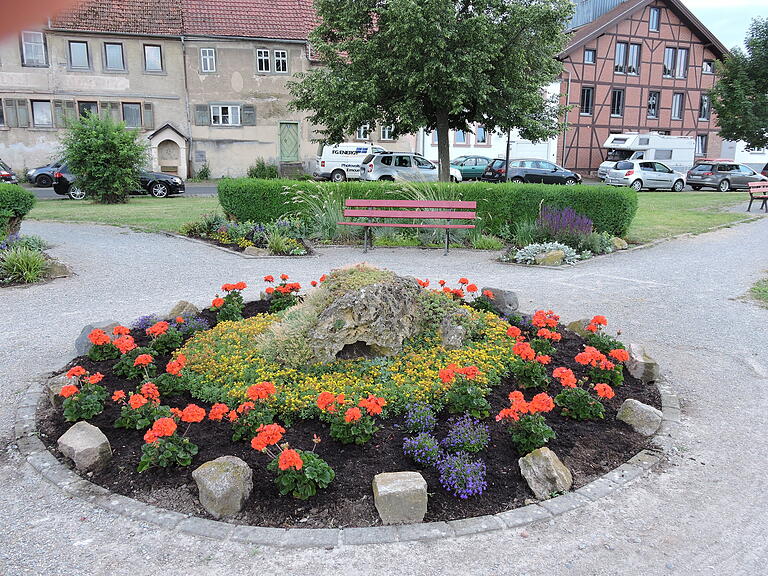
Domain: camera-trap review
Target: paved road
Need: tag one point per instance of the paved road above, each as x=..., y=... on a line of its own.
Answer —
x=705, y=512
x=192, y=189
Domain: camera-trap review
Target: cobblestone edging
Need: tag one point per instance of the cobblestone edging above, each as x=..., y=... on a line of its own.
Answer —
x=35, y=453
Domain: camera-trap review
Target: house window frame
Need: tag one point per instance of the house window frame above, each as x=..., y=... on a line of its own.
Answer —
x=24, y=58
x=464, y=142
x=592, y=59
x=263, y=61
x=35, y=123
x=654, y=19
x=207, y=58
x=635, y=49
x=363, y=132
x=678, y=105
x=620, y=58
x=708, y=66
x=3, y=123
x=673, y=64
x=433, y=138
x=160, y=52
x=679, y=66
x=283, y=59
x=487, y=140
x=106, y=57
x=230, y=108
x=705, y=108
x=702, y=143
x=653, y=113
x=587, y=110
x=70, y=62
x=122, y=114
x=621, y=101
x=386, y=132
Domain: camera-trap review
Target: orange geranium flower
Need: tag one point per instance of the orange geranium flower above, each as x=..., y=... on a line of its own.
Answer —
x=269, y=290
x=118, y=396
x=463, y=281
x=260, y=391
x=150, y=391
x=176, y=412
x=488, y=294
x=544, y=319
x=192, y=413
x=76, y=372
x=543, y=359
x=267, y=435
x=289, y=459
x=322, y=278
x=150, y=437
x=619, y=354
x=158, y=329
x=471, y=288
x=218, y=411
x=232, y=416
x=591, y=327
x=164, y=427
x=174, y=367
x=98, y=337
x=373, y=404
x=326, y=401
x=446, y=375
x=313, y=283
x=284, y=277
x=137, y=401
x=124, y=343
x=469, y=372
x=95, y=378
x=542, y=402
x=179, y=320
x=245, y=406
x=524, y=350
x=352, y=415
x=514, y=332
x=69, y=390
x=269, y=279
x=599, y=320
x=441, y=282
x=604, y=391
x=217, y=302
x=565, y=375
x=143, y=360
x=120, y=331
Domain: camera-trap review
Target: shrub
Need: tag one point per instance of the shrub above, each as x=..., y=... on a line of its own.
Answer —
x=462, y=476
x=466, y=394
x=527, y=255
x=15, y=203
x=86, y=401
x=301, y=480
x=230, y=308
x=466, y=434
x=419, y=418
x=20, y=264
x=531, y=432
x=173, y=450
x=262, y=170
x=204, y=173
x=486, y=242
x=423, y=449
x=576, y=403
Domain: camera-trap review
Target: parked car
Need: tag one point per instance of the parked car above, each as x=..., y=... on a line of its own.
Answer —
x=639, y=174
x=405, y=166
x=42, y=177
x=340, y=162
x=530, y=170
x=158, y=184
x=6, y=174
x=471, y=167
x=723, y=175
x=765, y=170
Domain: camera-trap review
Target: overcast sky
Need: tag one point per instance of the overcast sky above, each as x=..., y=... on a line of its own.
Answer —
x=728, y=19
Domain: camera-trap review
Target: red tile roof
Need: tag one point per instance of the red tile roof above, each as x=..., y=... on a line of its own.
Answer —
x=278, y=19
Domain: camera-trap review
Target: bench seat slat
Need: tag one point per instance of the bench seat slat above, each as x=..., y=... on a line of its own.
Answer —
x=362, y=203
x=423, y=214
x=396, y=225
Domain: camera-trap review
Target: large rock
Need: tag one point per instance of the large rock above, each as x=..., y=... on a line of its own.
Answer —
x=184, y=308
x=580, y=327
x=504, y=302
x=375, y=318
x=619, y=243
x=545, y=473
x=451, y=332
x=642, y=366
x=57, y=269
x=86, y=446
x=52, y=388
x=253, y=251
x=224, y=485
x=83, y=345
x=400, y=497
x=643, y=418
x=551, y=258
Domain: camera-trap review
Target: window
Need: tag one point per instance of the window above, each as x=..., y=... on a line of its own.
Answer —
x=422, y=162
x=704, y=107
x=33, y=51
x=2, y=114
x=708, y=67
x=677, y=106
x=633, y=63
x=262, y=60
x=617, y=102
x=481, y=135
x=654, y=18
x=701, y=144
x=225, y=115
x=78, y=55
x=460, y=137
x=402, y=161
x=41, y=114
x=386, y=132
x=386, y=160
x=16, y=113
x=363, y=132
x=653, y=104
x=590, y=56
x=681, y=70
x=153, y=58
x=84, y=108
x=207, y=60
x=132, y=114
x=669, y=62
x=620, y=58
x=663, y=154
x=113, y=56
x=434, y=137
x=281, y=61
x=587, y=102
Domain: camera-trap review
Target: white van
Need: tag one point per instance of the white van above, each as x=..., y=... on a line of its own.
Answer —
x=339, y=162
x=677, y=152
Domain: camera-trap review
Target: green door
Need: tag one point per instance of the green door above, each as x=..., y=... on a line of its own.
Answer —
x=289, y=142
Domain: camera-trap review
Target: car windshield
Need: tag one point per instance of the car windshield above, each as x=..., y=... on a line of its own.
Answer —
x=496, y=164
x=5, y=166
x=624, y=165
x=702, y=168
x=616, y=155
x=368, y=158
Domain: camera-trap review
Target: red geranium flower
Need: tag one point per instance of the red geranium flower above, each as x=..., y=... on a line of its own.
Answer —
x=158, y=329
x=118, y=396
x=284, y=276
x=164, y=427
x=76, y=371
x=95, y=378
x=289, y=459
x=124, y=343
x=218, y=411
x=604, y=391
x=463, y=281
x=69, y=390
x=488, y=294
x=143, y=360
x=269, y=290
x=192, y=413
x=471, y=288
x=120, y=331
x=619, y=354
x=217, y=302
x=269, y=279
x=137, y=401
x=98, y=337
x=260, y=391
x=352, y=415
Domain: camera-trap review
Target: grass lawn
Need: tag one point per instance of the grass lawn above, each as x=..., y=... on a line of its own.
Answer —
x=759, y=291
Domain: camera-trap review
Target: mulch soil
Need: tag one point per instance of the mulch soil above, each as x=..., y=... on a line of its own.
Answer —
x=588, y=448
x=237, y=248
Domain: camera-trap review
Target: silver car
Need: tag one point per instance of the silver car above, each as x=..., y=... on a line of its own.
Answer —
x=403, y=166
x=723, y=175
x=639, y=174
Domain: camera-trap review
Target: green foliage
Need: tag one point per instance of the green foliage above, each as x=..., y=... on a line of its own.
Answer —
x=262, y=170
x=302, y=484
x=603, y=342
x=576, y=403
x=168, y=384
x=15, y=203
x=543, y=346
x=166, y=343
x=740, y=96
x=613, y=377
x=244, y=428
x=142, y=417
x=167, y=451
x=249, y=199
x=204, y=173
x=20, y=264
x=467, y=396
x=86, y=404
x=759, y=291
x=125, y=368
x=358, y=432
x=530, y=374
x=232, y=308
x=486, y=242
x=103, y=352
x=530, y=432
x=104, y=156
x=32, y=242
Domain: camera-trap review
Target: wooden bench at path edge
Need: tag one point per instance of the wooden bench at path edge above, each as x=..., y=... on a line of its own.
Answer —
x=448, y=210
x=758, y=191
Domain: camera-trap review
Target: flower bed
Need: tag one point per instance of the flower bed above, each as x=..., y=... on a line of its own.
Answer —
x=179, y=392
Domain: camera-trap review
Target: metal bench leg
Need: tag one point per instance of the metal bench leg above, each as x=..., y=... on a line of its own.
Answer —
x=750, y=204
x=447, y=241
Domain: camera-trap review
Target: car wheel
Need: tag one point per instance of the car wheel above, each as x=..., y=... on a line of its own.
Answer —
x=43, y=181
x=338, y=176
x=75, y=193
x=453, y=179
x=570, y=181
x=637, y=185
x=158, y=190
x=678, y=186
x=696, y=187
x=386, y=179
x=517, y=180
x=724, y=186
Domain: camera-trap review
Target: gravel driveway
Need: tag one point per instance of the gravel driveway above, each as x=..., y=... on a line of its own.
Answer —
x=705, y=512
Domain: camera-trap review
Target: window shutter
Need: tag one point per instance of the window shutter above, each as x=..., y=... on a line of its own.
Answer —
x=149, y=116
x=22, y=113
x=59, y=119
x=115, y=111
x=249, y=115
x=202, y=115
x=2, y=113
x=10, y=113
x=69, y=111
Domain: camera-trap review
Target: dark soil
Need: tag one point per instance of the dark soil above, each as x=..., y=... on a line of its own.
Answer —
x=589, y=449
x=236, y=248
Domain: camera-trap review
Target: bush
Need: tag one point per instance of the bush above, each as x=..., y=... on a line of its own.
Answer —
x=20, y=264
x=423, y=449
x=466, y=434
x=15, y=203
x=262, y=170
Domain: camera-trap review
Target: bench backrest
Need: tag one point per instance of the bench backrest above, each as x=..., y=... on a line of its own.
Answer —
x=429, y=209
x=758, y=188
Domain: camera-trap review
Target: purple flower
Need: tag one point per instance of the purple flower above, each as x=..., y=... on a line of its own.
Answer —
x=462, y=476
x=144, y=322
x=466, y=434
x=565, y=220
x=191, y=324
x=423, y=448
x=419, y=418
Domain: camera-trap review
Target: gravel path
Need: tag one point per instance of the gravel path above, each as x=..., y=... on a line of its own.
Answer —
x=705, y=512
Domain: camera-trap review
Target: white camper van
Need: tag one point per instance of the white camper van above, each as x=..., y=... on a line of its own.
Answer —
x=339, y=162
x=677, y=152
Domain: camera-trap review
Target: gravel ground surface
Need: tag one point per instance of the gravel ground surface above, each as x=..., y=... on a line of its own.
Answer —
x=704, y=512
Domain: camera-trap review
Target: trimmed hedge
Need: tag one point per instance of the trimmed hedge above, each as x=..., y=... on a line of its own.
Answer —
x=15, y=203
x=610, y=209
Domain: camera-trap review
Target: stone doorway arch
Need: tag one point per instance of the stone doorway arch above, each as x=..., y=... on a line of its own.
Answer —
x=168, y=151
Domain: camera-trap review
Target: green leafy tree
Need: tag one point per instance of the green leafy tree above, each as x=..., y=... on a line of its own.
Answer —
x=740, y=96
x=437, y=64
x=104, y=156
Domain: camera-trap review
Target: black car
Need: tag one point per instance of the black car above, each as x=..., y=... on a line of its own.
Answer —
x=158, y=184
x=42, y=177
x=530, y=170
x=6, y=174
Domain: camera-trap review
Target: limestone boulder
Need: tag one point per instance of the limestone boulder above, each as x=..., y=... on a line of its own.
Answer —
x=184, y=308
x=224, y=485
x=641, y=417
x=400, y=497
x=551, y=258
x=545, y=473
x=642, y=366
x=83, y=345
x=619, y=243
x=580, y=327
x=452, y=333
x=504, y=302
x=57, y=269
x=254, y=251
x=86, y=446
x=53, y=387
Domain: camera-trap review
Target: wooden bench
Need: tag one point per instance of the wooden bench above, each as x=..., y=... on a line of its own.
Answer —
x=373, y=210
x=758, y=191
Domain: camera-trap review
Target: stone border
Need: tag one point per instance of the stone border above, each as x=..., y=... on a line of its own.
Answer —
x=315, y=253
x=57, y=473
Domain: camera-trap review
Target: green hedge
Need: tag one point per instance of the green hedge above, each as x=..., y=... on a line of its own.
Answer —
x=15, y=203
x=610, y=209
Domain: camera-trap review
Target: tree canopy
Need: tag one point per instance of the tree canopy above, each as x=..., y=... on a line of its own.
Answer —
x=740, y=96
x=435, y=64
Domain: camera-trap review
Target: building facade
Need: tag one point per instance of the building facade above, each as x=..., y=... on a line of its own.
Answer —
x=636, y=66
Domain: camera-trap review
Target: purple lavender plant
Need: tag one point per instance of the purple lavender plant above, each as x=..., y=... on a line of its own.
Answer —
x=462, y=476
x=143, y=322
x=190, y=325
x=466, y=434
x=423, y=448
x=563, y=221
x=419, y=418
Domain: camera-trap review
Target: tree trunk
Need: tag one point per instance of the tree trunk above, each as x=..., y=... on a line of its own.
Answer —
x=443, y=147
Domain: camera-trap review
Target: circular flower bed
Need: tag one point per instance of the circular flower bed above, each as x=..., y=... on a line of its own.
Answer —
x=242, y=379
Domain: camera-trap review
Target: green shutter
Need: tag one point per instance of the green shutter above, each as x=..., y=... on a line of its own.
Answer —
x=249, y=115
x=22, y=113
x=202, y=115
x=10, y=113
x=149, y=116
